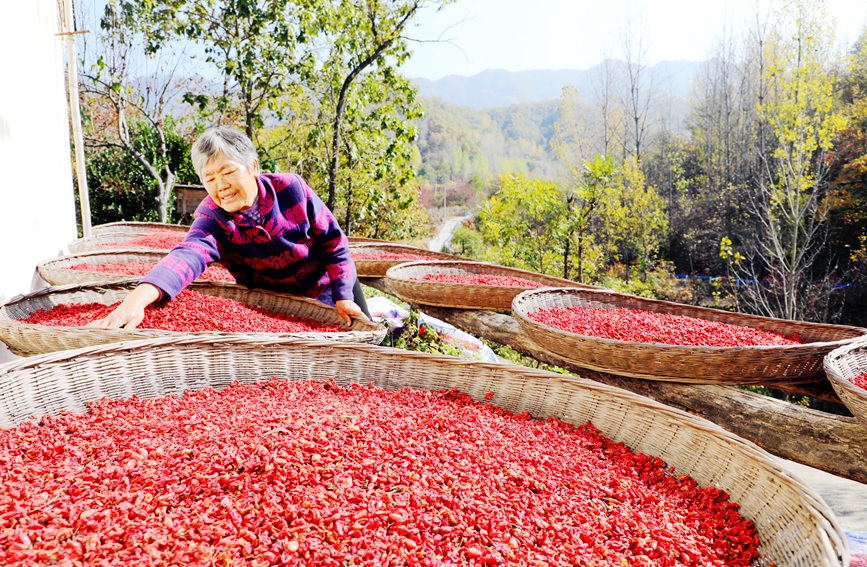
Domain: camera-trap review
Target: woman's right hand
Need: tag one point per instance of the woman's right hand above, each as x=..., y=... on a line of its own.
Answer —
x=130, y=312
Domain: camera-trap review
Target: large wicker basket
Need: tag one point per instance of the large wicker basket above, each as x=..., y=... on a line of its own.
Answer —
x=112, y=240
x=767, y=365
x=841, y=365
x=376, y=268
x=406, y=280
x=135, y=228
x=58, y=272
x=795, y=527
x=26, y=339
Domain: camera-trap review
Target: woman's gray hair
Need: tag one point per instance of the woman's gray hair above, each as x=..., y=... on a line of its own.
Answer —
x=223, y=140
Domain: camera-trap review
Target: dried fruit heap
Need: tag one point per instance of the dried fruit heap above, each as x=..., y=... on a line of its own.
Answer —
x=310, y=473
x=860, y=380
x=387, y=256
x=481, y=279
x=638, y=325
x=158, y=239
x=214, y=272
x=189, y=311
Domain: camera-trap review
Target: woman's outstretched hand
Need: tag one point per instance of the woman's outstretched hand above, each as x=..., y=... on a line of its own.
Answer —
x=130, y=312
x=348, y=310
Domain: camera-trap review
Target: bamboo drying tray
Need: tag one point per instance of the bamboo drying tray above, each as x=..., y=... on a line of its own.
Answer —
x=766, y=365
x=57, y=272
x=406, y=281
x=365, y=240
x=841, y=365
x=135, y=228
x=111, y=240
x=795, y=527
x=26, y=339
x=377, y=268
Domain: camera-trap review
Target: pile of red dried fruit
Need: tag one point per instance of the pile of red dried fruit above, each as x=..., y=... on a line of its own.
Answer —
x=311, y=473
x=860, y=380
x=387, y=256
x=214, y=272
x=643, y=326
x=481, y=279
x=189, y=311
x=158, y=239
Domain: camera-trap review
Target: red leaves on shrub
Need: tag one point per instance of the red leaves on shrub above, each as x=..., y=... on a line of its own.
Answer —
x=638, y=325
x=214, y=272
x=481, y=279
x=189, y=311
x=311, y=473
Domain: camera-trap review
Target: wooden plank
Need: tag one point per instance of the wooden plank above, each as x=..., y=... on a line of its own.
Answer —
x=828, y=442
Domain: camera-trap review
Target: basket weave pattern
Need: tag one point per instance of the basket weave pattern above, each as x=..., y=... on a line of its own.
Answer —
x=767, y=365
x=57, y=272
x=26, y=339
x=133, y=228
x=794, y=525
x=407, y=281
x=843, y=364
x=109, y=239
x=378, y=268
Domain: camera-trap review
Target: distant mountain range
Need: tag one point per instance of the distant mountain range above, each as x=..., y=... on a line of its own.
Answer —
x=498, y=88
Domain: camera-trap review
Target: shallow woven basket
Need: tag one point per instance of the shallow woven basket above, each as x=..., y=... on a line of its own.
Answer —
x=377, y=268
x=57, y=272
x=135, y=228
x=364, y=239
x=841, y=365
x=767, y=365
x=26, y=339
x=109, y=240
x=406, y=281
x=795, y=527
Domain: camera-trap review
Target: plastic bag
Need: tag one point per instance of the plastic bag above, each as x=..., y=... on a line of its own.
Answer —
x=383, y=309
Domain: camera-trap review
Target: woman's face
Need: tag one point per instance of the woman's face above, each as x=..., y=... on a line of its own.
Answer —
x=230, y=184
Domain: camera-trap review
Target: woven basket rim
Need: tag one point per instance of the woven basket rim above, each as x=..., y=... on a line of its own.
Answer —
x=124, y=226
x=365, y=327
x=815, y=513
x=111, y=240
x=522, y=314
x=400, y=248
x=831, y=365
x=105, y=251
x=269, y=339
x=389, y=244
x=395, y=272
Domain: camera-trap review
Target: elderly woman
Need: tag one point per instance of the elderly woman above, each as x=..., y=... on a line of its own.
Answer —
x=270, y=230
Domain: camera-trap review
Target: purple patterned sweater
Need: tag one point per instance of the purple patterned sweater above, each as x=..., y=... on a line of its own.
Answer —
x=298, y=248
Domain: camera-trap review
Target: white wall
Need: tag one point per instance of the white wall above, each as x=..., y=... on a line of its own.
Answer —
x=36, y=190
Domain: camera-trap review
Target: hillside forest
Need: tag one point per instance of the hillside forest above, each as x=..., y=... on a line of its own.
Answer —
x=752, y=190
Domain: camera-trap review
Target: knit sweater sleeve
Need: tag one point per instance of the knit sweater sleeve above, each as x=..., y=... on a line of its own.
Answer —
x=332, y=245
x=186, y=261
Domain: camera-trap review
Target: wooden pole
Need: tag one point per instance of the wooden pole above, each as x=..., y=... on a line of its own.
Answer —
x=75, y=114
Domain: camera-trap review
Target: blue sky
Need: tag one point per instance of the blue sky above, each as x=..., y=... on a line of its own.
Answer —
x=576, y=34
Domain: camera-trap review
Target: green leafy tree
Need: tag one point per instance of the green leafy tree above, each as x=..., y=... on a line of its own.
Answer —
x=790, y=203
x=519, y=222
x=583, y=206
x=121, y=189
x=365, y=34
x=636, y=225
x=127, y=98
x=263, y=51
